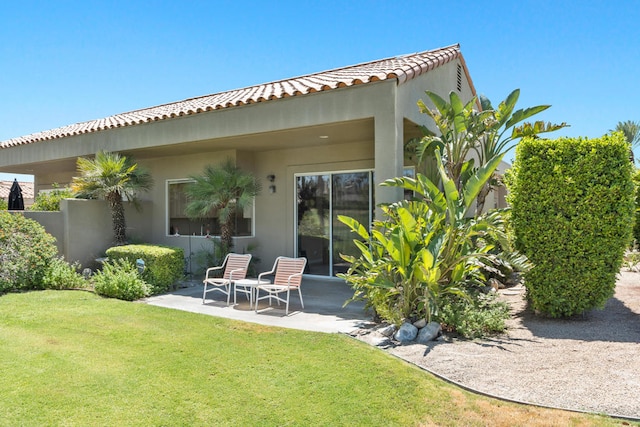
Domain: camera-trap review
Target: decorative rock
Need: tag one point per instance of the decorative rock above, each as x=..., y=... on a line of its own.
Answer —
x=406, y=333
x=420, y=323
x=380, y=341
x=388, y=331
x=428, y=333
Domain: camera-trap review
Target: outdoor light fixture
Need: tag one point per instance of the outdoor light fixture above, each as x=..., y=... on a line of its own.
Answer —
x=272, y=187
x=140, y=265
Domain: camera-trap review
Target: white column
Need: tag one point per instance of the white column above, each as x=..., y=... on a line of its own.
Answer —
x=389, y=157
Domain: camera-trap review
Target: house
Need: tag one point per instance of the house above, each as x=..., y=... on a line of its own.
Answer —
x=320, y=143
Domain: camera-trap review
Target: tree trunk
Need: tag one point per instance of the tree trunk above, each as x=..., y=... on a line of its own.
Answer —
x=226, y=234
x=117, y=218
x=480, y=200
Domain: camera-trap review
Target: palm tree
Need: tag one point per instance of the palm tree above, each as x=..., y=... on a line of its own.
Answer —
x=631, y=131
x=224, y=190
x=110, y=176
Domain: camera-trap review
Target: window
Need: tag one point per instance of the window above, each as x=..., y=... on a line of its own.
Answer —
x=179, y=223
x=321, y=237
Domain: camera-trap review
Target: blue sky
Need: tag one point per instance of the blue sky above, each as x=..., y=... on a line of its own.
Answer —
x=71, y=61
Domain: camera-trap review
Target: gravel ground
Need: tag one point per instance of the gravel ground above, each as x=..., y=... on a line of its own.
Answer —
x=588, y=363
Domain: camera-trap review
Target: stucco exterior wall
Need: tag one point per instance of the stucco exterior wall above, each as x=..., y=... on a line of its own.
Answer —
x=274, y=212
x=53, y=223
x=83, y=228
x=441, y=81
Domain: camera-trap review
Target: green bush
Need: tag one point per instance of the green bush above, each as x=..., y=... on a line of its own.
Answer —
x=636, y=226
x=120, y=279
x=3, y=204
x=572, y=203
x=476, y=316
x=26, y=251
x=50, y=200
x=62, y=275
x=164, y=266
x=425, y=249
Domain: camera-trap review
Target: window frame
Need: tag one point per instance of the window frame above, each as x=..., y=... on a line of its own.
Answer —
x=167, y=213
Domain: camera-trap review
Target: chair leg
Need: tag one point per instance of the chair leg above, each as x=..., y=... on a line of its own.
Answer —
x=300, y=293
x=286, y=311
x=204, y=293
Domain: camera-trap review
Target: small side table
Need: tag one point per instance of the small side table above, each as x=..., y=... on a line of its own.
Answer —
x=247, y=286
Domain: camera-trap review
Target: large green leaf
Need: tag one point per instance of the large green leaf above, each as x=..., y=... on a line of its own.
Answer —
x=475, y=183
x=450, y=191
x=505, y=108
x=408, y=224
x=355, y=226
x=459, y=119
x=441, y=105
x=521, y=115
x=529, y=129
x=485, y=103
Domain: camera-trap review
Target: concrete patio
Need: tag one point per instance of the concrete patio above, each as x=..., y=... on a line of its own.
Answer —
x=323, y=306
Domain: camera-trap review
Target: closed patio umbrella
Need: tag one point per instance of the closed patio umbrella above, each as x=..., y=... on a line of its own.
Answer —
x=16, y=203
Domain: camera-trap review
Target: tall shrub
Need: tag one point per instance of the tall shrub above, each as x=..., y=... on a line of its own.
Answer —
x=26, y=250
x=572, y=203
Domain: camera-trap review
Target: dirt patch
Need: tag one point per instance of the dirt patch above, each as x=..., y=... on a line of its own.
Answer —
x=588, y=363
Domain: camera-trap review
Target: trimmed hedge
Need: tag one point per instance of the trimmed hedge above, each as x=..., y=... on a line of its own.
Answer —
x=572, y=206
x=164, y=265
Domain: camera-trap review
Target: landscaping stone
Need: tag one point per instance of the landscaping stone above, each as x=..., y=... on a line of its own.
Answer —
x=388, y=331
x=406, y=333
x=380, y=340
x=429, y=333
x=420, y=323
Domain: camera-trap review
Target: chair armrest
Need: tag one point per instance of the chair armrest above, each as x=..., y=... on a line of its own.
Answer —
x=266, y=273
x=211, y=269
x=292, y=276
x=236, y=271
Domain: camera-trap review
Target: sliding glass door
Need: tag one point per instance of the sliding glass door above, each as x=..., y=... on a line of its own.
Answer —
x=321, y=237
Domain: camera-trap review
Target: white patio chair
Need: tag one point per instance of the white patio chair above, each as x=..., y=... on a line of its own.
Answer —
x=287, y=276
x=235, y=267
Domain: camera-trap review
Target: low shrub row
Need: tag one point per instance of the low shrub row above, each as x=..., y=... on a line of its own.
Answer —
x=29, y=261
x=163, y=266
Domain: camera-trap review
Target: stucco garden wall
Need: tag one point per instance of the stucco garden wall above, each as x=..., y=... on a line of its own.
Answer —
x=83, y=228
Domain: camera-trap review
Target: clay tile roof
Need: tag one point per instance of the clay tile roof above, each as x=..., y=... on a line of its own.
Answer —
x=26, y=187
x=402, y=68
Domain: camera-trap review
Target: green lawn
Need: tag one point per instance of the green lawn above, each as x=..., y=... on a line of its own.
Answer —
x=72, y=358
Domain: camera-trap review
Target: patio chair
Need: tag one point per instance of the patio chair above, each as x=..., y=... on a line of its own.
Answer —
x=235, y=267
x=287, y=276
